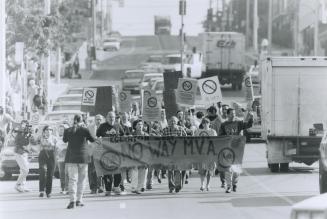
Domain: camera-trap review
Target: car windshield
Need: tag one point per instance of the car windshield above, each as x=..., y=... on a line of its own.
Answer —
x=159, y=86
x=75, y=91
x=173, y=60
x=67, y=99
x=66, y=107
x=154, y=59
x=134, y=74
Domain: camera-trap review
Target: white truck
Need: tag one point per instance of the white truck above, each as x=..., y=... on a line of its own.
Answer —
x=224, y=56
x=294, y=106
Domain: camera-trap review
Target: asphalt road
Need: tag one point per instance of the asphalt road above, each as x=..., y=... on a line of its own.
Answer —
x=260, y=194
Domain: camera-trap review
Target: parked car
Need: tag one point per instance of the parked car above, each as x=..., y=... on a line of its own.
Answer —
x=150, y=77
x=111, y=44
x=153, y=64
x=69, y=98
x=131, y=80
x=66, y=106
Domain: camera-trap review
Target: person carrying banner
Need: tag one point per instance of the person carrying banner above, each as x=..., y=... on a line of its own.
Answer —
x=109, y=129
x=95, y=182
x=77, y=160
x=206, y=170
x=138, y=174
x=233, y=126
x=175, y=179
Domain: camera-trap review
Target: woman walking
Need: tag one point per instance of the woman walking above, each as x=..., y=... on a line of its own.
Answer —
x=207, y=169
x=47, y=161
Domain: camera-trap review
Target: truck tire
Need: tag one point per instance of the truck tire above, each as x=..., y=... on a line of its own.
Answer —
x=274, y=167
x=322, y=179
x=284, y=167
x=239, y=86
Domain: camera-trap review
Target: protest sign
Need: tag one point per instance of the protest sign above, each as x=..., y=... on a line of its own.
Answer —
x=89, y=96
x=248, y=88
x=186, y=91
x=103, y=101
x=182, y=153
x=151, y=106
x=210, y=90
x=125, y=101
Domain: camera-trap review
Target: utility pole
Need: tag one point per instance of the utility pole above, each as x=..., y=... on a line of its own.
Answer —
x=3, y=73
x=58, y=57
x=269, y=27
x=94, y=23
x=316, y=29
x=47, y=60
x=255, y=25
x=296, y=29
x=182, y=12
x=247, y=23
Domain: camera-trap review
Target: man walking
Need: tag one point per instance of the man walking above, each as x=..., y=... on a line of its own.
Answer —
x=77, y=160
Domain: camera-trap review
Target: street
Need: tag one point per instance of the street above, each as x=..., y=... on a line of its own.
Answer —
x=260, y=194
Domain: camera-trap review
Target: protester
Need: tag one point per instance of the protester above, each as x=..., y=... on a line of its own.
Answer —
x=232, y=126
x=207, y=170
x=198, y=119
x=22, y=140
x=76, y=66
x=125, y=120
x=215, y=119
x=5, y=121
x=109, y=129
x=138, y=174
x=95, y=181
x=175, y=179
x=62, y=149
x=47, y=161
x=163, y=120
x=77, y=160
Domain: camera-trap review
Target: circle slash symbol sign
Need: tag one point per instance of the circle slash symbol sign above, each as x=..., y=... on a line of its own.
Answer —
x=152, y=102
x=123, y=96
x=226, y=157
x=247, y=82
x=110, y=161
x=209, y=87
x=89, y=94
x=187, y=85
x=204, y=133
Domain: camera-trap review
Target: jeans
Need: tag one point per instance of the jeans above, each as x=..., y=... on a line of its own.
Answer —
x=77, y=173
x=47, y=164
x=231, y=178
x=22, y=161
x=63, y=172
x=175, y=179
x=94, y=180
x=109, y=179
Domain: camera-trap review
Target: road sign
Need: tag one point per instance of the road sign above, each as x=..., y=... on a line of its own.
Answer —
x=210, y=90
x=89, y=96
x=186, y=91
x=151, y=106
x=125, y=101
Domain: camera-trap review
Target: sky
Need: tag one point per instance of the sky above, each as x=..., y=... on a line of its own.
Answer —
x=137, y=16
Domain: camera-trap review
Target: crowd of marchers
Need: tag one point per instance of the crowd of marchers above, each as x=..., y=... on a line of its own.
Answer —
x=70, y=148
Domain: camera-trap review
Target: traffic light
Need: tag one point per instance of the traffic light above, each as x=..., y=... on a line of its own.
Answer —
x=182, y=7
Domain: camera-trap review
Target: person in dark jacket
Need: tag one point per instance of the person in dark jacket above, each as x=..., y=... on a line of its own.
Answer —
x=77, y=160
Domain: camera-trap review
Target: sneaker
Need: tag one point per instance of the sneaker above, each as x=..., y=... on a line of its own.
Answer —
x=223, y=185
x=171, y=190
x=107, y=193
x=149, y=187
x=93, y=192
x=116, y=191
x=123, y=193
x=41, y=194
x=234, y=188
x=64, y=192
x=100, y=190
x=136, y=192
x=201, y=189
x=186, y=181
x=19, y=188
x=159, y=180
x=48, y=195
x=71, y=205
x=79, y=204
x=177, y=190
x=142, y=190
x=208, y=188
x=228, y=190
